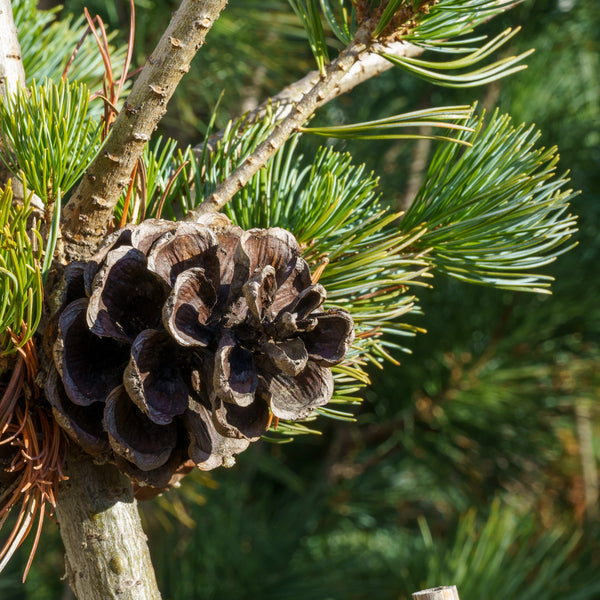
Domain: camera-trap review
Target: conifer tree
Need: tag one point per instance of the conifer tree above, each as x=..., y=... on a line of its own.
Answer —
x=97, y=221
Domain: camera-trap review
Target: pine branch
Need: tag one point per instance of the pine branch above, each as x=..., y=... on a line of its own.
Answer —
x=298, y=102
x=310, y=102
x=11, y=66
x=88, y=212
x=369, y=65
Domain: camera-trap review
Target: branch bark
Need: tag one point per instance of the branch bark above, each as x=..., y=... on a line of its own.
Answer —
x=12, y=72
x=309, y=103
x=88, y=213
x=106, y=552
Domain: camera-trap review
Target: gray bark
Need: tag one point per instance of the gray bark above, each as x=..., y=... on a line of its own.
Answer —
x=106, y=552
x=11, y=74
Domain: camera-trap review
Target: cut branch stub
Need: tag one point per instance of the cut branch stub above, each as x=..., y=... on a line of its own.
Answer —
x=446, y=592
x=197, y=333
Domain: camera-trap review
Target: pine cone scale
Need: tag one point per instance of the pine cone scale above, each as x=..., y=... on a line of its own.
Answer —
x=154, y=377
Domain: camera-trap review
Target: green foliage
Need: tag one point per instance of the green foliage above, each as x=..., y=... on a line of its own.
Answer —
x=495, y=210
x=21, y=291
x=341, y=18
x=51, y=136
x=435, y=72
x=484, y=412
x=305, y=546
x=308, y=12
x=448, y=117
x=479, y=410
x=47, y=45
x=561, y=92
x=161, y=182
x=499, y=555
x=449, y=19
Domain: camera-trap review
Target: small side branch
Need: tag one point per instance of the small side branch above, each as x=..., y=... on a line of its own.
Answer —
x=318, y=95
x=87, y=214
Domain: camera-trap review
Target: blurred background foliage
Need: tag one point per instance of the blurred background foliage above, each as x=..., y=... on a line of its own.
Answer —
x=474, y=462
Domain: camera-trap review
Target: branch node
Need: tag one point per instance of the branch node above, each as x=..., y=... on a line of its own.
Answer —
x=141, y=137
x=176, y=43
x=112, y=157
x=158, y=90
x=204, y=23
x=98, y=201
x=130, y=109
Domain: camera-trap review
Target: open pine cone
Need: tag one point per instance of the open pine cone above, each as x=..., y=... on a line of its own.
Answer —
x=179, y=341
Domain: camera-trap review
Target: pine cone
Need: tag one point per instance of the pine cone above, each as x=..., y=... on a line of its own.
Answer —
x=187, y=337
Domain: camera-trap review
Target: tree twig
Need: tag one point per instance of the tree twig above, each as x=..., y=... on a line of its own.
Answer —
x=88, y=212
x=301, y=111
x=297, y=102
x=369, y=65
